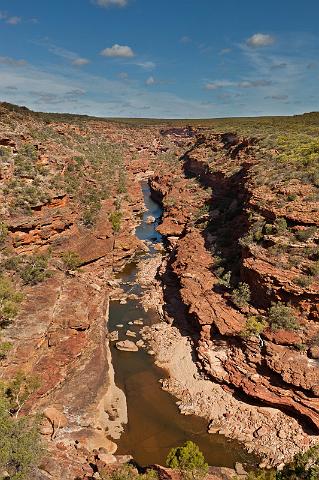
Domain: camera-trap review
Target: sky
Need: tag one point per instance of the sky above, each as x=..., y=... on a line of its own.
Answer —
x=163, y=59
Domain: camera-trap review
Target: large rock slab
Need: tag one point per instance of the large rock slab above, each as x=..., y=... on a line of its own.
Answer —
x=126, y=346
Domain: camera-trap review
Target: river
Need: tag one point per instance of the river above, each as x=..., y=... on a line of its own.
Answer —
x=155, y=424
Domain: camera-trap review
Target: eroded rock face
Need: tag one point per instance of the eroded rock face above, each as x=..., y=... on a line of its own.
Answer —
x=60, y=334
x=273, y=368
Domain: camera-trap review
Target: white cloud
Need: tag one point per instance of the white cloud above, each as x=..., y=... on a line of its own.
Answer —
x=111, y=3
x=185, y=39
x=146, y=65
x=254, y=83
x=217, y=84
x=276, y=97
x=224, y=51
x=123, y=75
x=12, y=62
x=72, y=57
x=13, y=20
x=150, y=81
x=79, y=62
x=260, y=40
x=118, y=51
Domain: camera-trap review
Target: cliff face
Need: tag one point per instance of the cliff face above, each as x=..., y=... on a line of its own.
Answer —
x=245, y=272
x=70, y=201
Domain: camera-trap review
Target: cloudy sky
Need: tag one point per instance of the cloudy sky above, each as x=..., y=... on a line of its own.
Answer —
x=168, y=58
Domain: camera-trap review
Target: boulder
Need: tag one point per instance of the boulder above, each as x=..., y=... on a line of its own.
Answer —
x=150, y=219
x=113, y=336
x=55, y=417
x=107, y=458
x=127, y=346
x=139, y=321
x=313, y=352
x=129, y=333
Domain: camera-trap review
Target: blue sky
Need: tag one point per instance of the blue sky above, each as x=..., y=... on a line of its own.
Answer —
x=168, y=58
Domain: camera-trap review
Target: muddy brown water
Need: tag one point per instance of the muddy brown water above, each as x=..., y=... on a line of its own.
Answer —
x=155, y=424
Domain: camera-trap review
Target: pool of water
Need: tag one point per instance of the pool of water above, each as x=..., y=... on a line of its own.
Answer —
x=155, y=424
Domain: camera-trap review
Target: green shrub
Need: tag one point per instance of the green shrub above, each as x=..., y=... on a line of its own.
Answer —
x=122, y=188
x=281, y=316
x=259, y=475
x=303, y=281
x=29, y=151
x=19, y=389
x=189, y=460
x=71, y=260
x=280, y=225
x=241, y=295
x=127, y=472
x=9, y=301
x=224, y=278
x=5, y=348
x=35, y=270
x=20, y=443
x=255, y=325
x=313, y=269
x=115, y=219
x=3, y=232
x=306, y=234
x=305, y=466
x=4, y=153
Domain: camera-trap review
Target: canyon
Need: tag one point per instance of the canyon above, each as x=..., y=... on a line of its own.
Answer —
x=230, y=283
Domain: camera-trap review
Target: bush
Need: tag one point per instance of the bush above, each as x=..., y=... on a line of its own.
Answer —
x=5, y=348
x=189, y=460
x=313, y=269
x=280, y=226
x=128, y=472
x=35, y=270
x=224, y=278
x=303, y=281
x=19, y=389
x=3, y=233
x=9, y=301
x=305, y=466
x=255, y=325
x=259, y=475
x=71, y=260
x=306, y=234
x=282, y=316
x=115, y=219
x=241, y=295
x=20, y=444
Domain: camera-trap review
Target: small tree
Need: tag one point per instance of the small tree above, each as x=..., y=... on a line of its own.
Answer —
x=3, y=233
x=71, y=260
x=35, y=270
x=127, y=472
x=5, y=348
x=282, y=316
x=255, y=325
x=241, y=295
x=115, y=219
x=189, y=460
x=9, y=301
x=20, y=443
x=19, y=389
x=305, y=466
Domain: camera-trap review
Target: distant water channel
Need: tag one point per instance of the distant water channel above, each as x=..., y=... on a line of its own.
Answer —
x=155, y=424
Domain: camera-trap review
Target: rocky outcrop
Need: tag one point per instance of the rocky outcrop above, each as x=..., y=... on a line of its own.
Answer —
x=237, y=231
